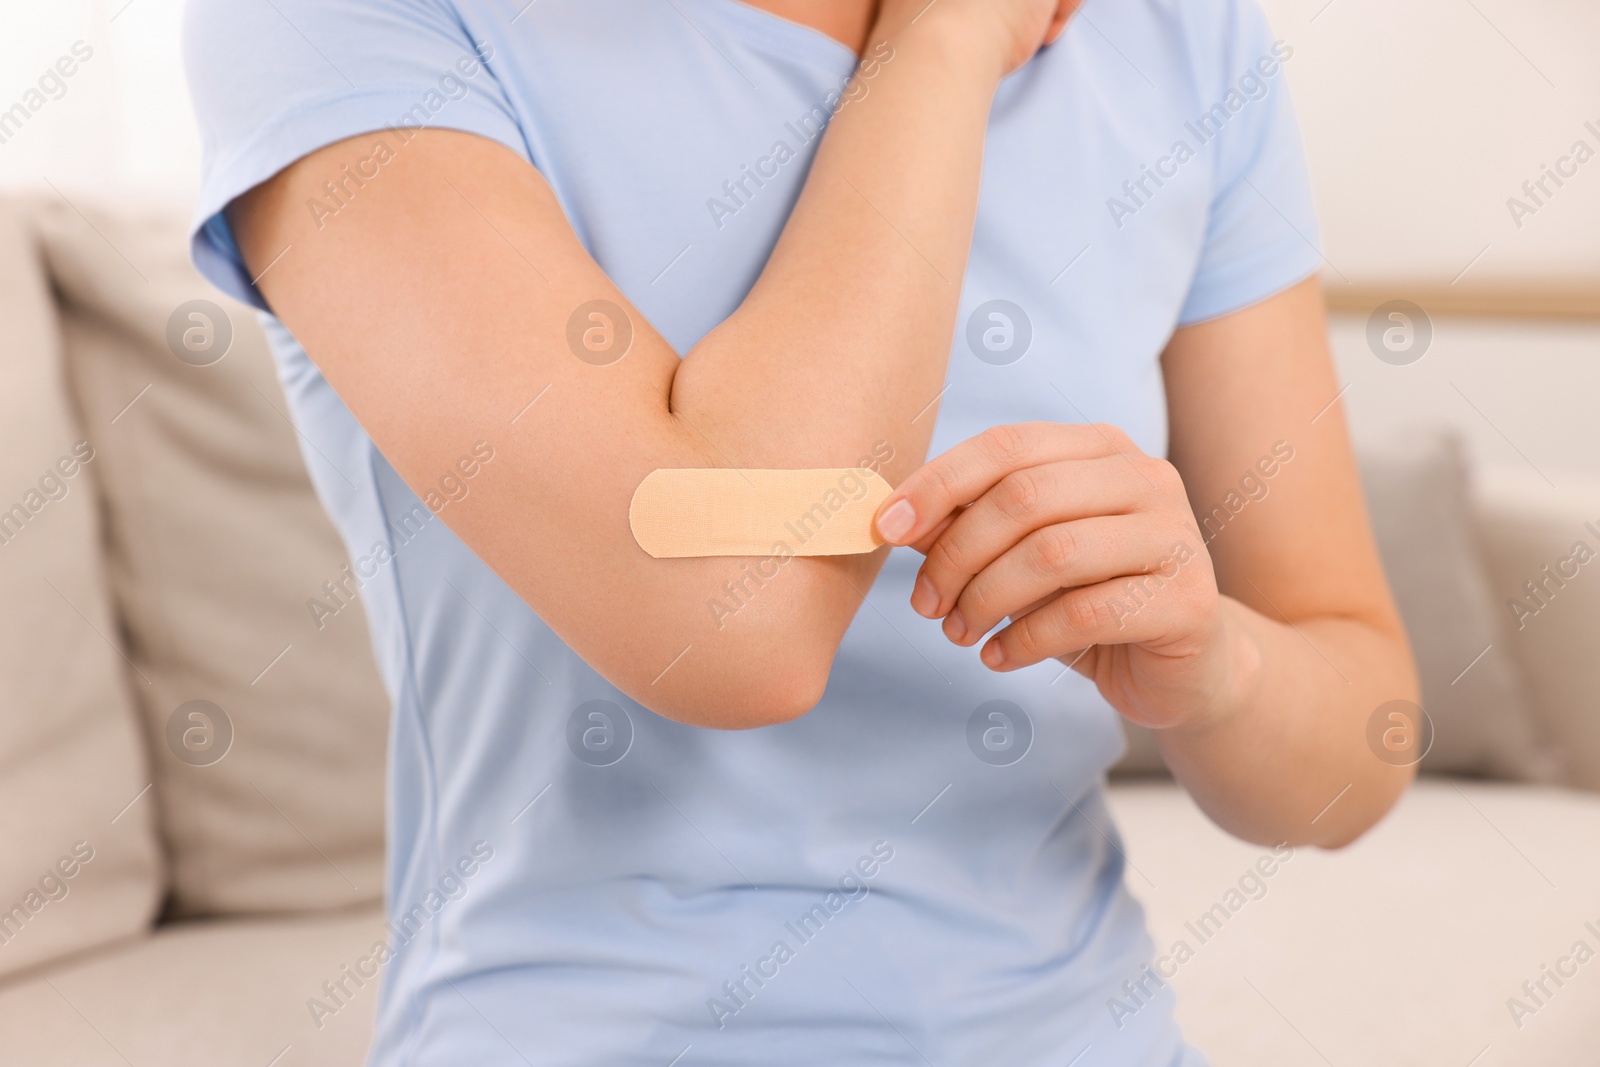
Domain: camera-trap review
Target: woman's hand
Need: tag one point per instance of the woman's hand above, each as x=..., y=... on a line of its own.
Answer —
x=1017, y=27
x=1262, y=697
x=1090, y=548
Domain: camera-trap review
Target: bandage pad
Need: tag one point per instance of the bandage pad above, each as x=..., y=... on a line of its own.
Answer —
x=678, y=513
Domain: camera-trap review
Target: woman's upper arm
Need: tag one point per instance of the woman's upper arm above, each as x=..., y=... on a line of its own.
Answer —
x=1267, y=461
x=373, y=169
x=436, y=303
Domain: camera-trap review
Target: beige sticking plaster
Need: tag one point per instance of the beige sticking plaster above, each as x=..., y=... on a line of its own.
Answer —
x=679, y=513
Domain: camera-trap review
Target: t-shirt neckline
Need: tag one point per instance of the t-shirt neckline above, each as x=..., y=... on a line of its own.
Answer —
x=789, y=37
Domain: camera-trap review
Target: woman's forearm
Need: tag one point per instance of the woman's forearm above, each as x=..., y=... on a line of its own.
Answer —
x=1288, y=760
x=845, y=338
x=1259, y=658
x=439, y=307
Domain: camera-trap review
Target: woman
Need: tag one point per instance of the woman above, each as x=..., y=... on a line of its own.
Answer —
x=731, y=811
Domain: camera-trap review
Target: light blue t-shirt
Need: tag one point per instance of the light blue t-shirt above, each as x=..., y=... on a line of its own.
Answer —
x=922, y=869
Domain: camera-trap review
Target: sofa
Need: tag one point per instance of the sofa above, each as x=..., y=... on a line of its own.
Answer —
x=192, y=796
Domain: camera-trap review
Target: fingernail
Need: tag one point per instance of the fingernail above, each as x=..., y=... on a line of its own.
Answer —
x=897, y=521
x=955, y=627
x=993, y=655
x=924, y=597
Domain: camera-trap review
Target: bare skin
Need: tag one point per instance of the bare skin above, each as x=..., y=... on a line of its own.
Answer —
x=438, y=307
x=1259, y=659
x=1255, y=649
x=850, y=22
x=847, y=21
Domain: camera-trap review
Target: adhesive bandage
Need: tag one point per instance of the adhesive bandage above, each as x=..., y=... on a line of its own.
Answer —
x=678, y=513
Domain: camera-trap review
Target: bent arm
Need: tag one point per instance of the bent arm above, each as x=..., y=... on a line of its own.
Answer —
x=1319, y=641
x=437, y=307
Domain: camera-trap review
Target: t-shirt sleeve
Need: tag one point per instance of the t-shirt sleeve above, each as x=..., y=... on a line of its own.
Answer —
x=1261, y=231
x=273, y=80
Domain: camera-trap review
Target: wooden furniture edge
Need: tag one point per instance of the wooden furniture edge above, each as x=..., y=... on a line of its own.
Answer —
x=1563, y=299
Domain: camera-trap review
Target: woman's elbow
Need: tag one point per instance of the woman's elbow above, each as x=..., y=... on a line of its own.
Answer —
x=761, y=690
x=1386, y=792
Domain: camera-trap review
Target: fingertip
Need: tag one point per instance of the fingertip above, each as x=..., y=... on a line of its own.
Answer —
x=955, y=627
x=925, y=598
x=896, y=521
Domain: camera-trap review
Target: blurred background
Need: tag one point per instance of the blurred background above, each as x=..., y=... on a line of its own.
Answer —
x=1421, y=122
x=234, y=877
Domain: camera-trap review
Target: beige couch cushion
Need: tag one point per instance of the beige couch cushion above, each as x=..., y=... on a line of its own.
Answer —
x=215, y=543
x=1472, y=683
x=1402, y=950
x=72, y=765
x=1529, y=525
x=201, y=994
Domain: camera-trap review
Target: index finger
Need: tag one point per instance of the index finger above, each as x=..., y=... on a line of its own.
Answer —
x=951, y=481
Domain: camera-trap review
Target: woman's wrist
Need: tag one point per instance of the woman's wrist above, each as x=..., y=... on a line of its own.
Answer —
x=1234, y=692
x=959, y=39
